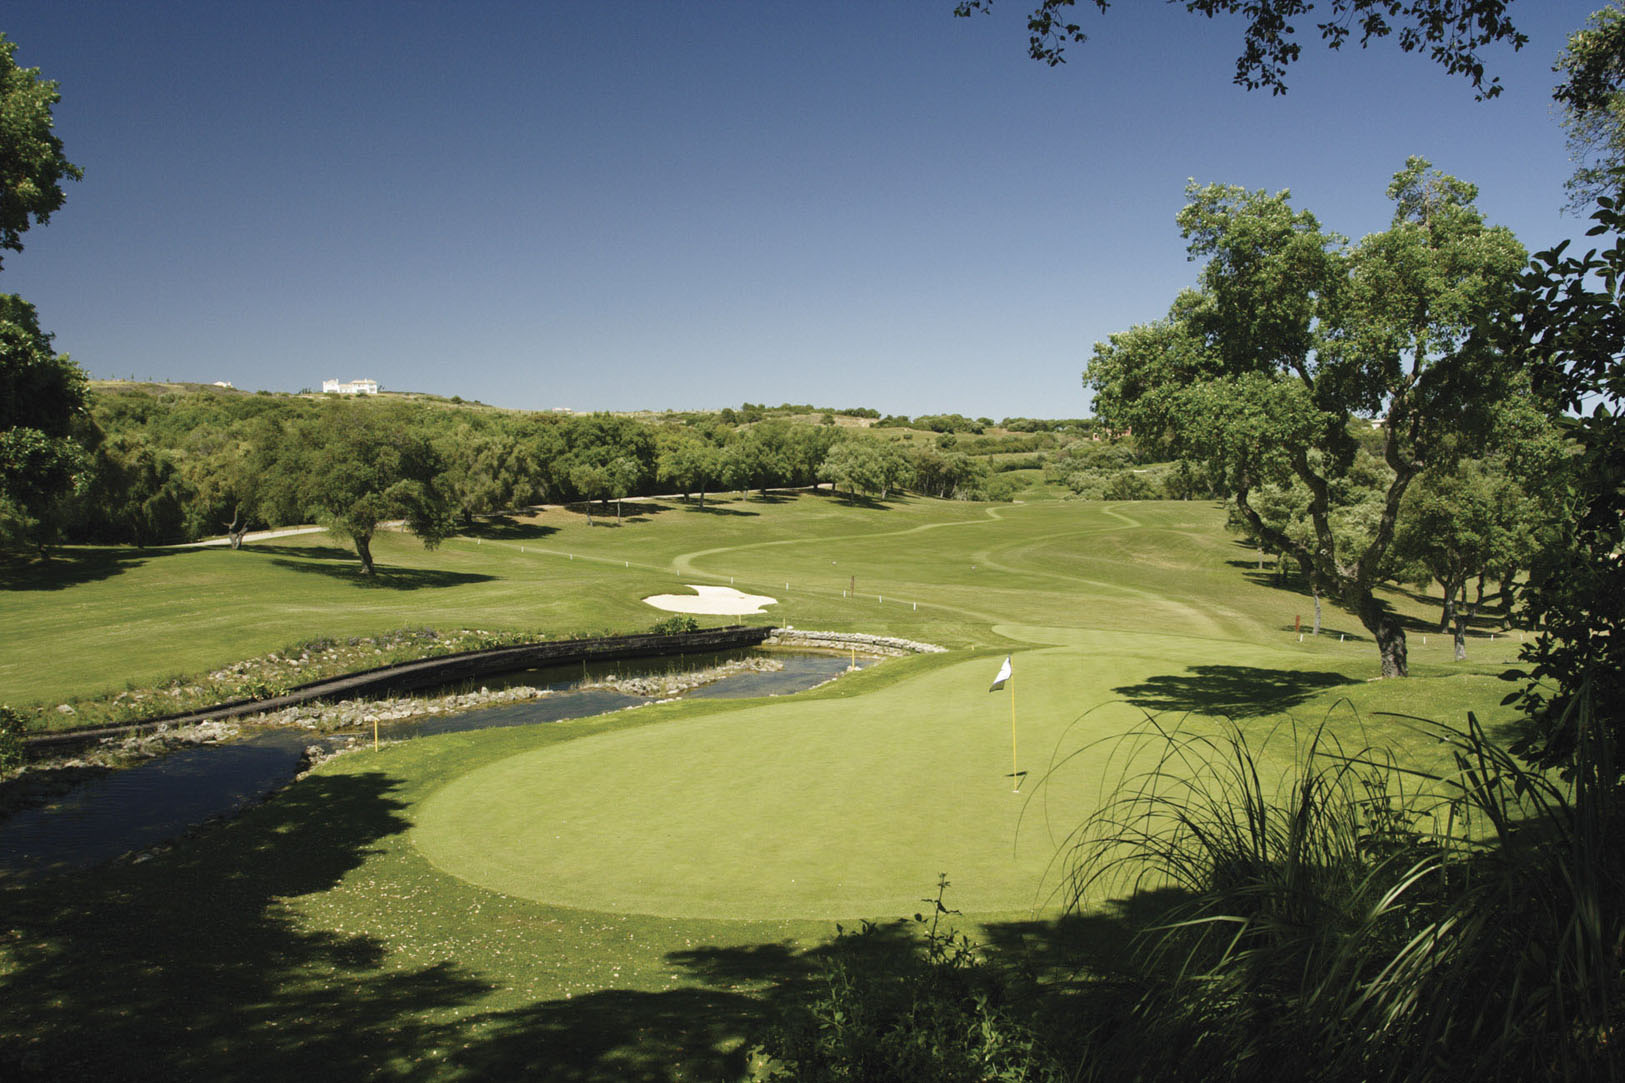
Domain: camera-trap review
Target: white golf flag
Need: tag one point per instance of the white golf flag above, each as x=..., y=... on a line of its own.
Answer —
x=1004, y=675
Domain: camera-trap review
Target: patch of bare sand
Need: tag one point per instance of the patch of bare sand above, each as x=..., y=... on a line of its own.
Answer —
x=712, y=601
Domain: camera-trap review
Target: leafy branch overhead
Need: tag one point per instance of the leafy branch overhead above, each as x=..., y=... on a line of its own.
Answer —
x=1451, y=32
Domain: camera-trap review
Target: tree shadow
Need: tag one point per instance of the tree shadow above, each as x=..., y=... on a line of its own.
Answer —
x=618, y=1034
x=69, y=568
x=1234, y=691
x=716, y=509
x=506, y=528
x=305, y=552
x=386, y=578
x=863, y=500
x=643, y=509
x=39, y=786
x=193, y=966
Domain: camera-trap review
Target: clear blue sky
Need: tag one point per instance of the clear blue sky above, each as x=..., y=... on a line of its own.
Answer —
x=651, y=205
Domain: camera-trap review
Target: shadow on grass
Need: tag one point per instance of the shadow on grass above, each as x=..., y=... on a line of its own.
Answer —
x=69, y=568
x=717, y=509
x=1236, y=691
x=304, y=552
x=193, y=967
x=861, y=500
x=384, y=577
x=507, y=528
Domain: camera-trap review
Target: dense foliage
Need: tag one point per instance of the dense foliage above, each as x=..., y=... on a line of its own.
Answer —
x=163, y=464
x=41, y=393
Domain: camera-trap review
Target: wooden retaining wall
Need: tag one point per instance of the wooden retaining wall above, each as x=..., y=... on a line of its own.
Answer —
x=433, y=673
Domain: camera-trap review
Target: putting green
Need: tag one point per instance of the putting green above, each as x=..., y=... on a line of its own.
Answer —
x=825, y=808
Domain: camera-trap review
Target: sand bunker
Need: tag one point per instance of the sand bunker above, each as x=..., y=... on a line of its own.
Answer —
x=712, y=601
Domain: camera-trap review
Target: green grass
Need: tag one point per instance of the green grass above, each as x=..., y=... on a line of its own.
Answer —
x=626, y=897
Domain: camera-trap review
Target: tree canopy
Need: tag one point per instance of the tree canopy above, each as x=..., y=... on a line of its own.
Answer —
x=360, y=468
x=42, y=393
x=1294, y=337
x=32, y=165
x=1592, y=103
x=1568, y=329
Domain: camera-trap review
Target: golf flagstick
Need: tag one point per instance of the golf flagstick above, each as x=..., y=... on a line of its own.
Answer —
x=1015, y=778
x=999, y=682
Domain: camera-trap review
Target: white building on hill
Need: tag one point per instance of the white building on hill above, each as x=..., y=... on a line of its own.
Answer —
x=354, y=387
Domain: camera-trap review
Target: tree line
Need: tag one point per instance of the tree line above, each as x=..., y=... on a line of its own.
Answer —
x=162, y=466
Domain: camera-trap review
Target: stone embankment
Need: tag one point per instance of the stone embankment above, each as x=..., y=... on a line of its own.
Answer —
x=430, y=673
x=347, y=713
x=887, y=646
x=49, y=777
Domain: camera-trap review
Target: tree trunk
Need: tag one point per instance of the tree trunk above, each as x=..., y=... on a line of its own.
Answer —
x=236, y=528
x=702, y=498
x=589, y=511
x=1465, y=613
x=1316, y=591
x=617, y=511
x=1389, y=634
x=363, y=548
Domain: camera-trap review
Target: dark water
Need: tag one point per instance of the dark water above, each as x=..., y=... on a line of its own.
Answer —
x=153, y=802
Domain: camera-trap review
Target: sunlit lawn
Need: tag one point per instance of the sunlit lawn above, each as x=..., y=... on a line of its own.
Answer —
x=626, y=897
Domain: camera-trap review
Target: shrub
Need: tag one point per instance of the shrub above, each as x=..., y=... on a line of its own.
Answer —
x=675, y=625
x=892, y=1006
x=11, y=739
x=1129, y=485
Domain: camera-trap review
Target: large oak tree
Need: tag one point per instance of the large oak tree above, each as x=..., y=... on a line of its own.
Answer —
x=1294, y=336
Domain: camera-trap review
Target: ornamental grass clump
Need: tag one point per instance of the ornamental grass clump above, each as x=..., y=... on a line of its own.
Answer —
x=1348, y=917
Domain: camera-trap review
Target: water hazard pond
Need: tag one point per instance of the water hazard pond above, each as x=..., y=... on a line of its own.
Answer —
x=142, y=806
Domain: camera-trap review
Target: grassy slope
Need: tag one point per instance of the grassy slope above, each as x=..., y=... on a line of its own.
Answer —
x=972, y=569
x=318, y=932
